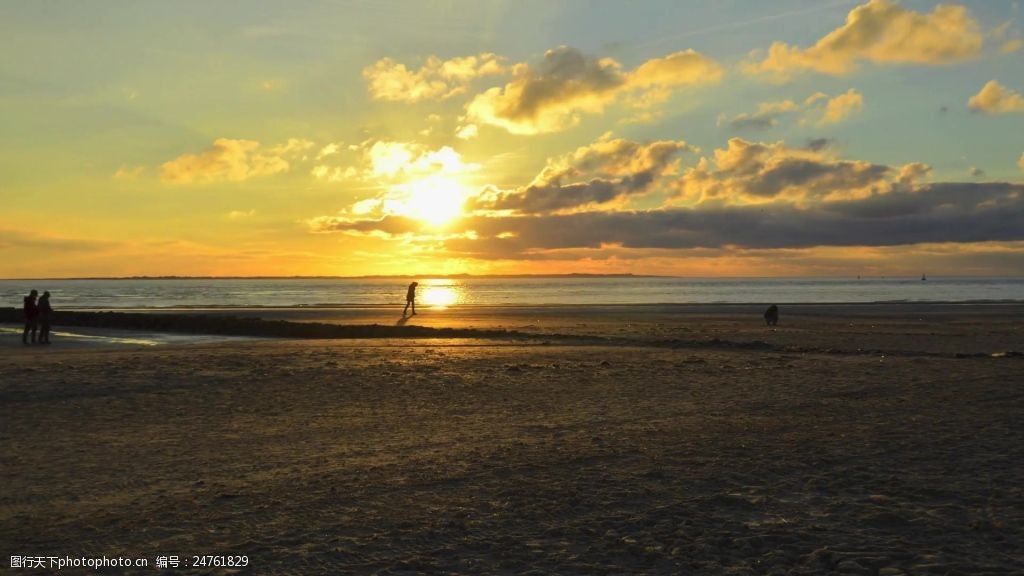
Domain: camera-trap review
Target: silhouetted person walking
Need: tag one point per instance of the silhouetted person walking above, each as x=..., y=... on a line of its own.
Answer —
x=44, y=318
x=31, y=311
x=771, y=315
x=410, y=299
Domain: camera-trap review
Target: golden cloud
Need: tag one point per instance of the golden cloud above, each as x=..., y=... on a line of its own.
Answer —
x=616, y=157
x=467, y=132
x=1007, y=38
x=604, y=175
x=436, y=79
x=386, y=159
x=568, y=83
x=817, y=108
x=226, y=160
x=684, y=68
x=842, y=106
x=333, y=173
x=330, y=149
x=994, y=98
x=293, y=147
x=410, y=179
x=757, y=196
x=882, y=33
x=753, y=173
x=950, y=212
x=387, y=162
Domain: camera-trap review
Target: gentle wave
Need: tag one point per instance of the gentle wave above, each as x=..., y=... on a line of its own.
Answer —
x=325, y=293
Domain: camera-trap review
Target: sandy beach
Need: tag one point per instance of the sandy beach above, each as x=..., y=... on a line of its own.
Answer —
x=695, y=288
x=876, y=440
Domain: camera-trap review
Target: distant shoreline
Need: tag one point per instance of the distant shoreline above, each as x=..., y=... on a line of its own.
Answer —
x=496, y=292
x=511, y=276
x=369, y=277
x=679, y=306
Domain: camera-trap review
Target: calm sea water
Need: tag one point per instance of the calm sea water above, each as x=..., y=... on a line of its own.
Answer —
x=505, y=291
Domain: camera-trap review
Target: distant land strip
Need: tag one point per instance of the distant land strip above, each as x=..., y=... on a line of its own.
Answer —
x=369, y=277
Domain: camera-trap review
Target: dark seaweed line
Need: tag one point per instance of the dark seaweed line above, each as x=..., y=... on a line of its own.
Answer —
x=220, y=325
x=255, y=327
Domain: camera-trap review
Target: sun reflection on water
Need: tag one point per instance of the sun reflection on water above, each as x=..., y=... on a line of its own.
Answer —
x=440, y=294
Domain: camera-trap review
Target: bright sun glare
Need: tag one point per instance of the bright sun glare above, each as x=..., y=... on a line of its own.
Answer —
x=436, y=199
x=440, y=295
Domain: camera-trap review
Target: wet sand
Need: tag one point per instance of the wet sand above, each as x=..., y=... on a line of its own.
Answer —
x=938, y=328
x=663, y=448
x=934, y=328
x=78, y=337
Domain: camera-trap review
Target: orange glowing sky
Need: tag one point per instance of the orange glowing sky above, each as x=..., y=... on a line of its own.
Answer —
x=699, y=138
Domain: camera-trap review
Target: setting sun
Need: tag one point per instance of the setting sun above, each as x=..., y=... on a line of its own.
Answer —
x=436, y=199
x=440, y=294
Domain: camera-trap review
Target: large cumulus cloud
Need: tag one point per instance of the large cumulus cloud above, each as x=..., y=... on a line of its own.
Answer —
x=994, y=98
x=881, y=32
x=751, y=196
x=567, y=84
x=950, y=212
x=611, y=170
x=756, y=172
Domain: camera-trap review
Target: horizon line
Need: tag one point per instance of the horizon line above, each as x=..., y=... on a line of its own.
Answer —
x=467, y=275
x=338, y=277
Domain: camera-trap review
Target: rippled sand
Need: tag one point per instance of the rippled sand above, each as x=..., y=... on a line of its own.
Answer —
x=474, y=456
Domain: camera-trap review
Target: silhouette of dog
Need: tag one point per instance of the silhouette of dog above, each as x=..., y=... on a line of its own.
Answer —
x=771, y=315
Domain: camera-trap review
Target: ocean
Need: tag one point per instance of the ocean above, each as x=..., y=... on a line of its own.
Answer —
x=291, y=292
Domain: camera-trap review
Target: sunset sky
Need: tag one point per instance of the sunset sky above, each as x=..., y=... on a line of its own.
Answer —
x=697, y=138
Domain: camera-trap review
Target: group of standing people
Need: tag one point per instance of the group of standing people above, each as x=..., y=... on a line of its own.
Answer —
x=37, y=318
